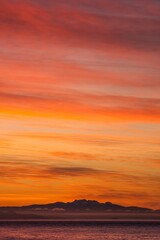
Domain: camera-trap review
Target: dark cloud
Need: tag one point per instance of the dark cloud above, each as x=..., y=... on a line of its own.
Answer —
x=24, y=170
x=85, y=23
x=32, y=170
x=73, y=171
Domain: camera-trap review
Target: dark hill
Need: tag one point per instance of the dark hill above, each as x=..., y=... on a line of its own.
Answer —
x=78, y=209
x=87, y=205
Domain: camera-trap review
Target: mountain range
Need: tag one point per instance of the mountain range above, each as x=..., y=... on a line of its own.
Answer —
x=77, y=209
x=87, y=205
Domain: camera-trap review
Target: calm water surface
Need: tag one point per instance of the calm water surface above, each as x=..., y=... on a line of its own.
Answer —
x=78, y=231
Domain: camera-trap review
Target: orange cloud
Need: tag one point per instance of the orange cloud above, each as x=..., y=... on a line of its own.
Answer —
x=83, y=106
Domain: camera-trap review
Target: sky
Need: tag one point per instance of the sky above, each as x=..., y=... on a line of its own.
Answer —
x=80, y=101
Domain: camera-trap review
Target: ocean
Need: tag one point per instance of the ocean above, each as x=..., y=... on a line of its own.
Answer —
x=97, y=230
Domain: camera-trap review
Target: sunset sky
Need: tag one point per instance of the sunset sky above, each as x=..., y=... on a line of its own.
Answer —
x=80, y=101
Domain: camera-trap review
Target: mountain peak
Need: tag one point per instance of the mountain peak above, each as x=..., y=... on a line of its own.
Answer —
x=84, y=201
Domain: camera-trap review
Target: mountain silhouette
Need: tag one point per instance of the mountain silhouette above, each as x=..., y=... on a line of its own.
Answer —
x=88, y=205
x=78, y=209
